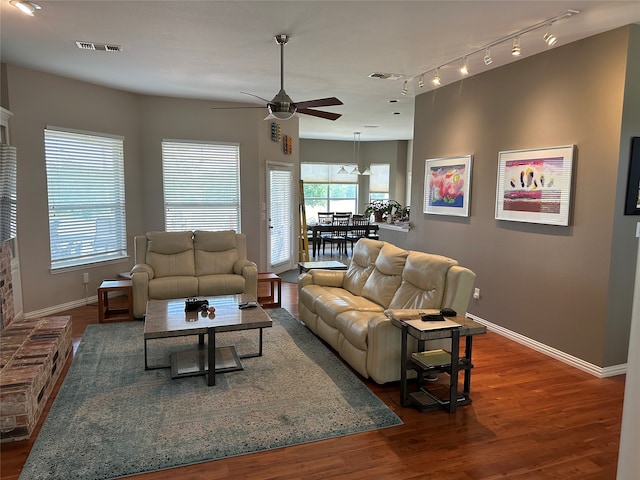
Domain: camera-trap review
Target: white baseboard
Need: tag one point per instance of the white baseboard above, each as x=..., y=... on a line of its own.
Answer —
x=61, y=308
x=600, y=372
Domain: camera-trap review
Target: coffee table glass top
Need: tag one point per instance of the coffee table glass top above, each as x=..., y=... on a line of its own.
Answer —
x=166, y=318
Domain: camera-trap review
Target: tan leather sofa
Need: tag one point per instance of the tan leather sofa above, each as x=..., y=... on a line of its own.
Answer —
x=190, y=264
x=347, y=308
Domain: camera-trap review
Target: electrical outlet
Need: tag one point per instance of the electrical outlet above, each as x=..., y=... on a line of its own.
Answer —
x=85, y=277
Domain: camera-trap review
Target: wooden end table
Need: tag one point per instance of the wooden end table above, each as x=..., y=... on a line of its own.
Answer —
x=274, y=298
x=103, y=299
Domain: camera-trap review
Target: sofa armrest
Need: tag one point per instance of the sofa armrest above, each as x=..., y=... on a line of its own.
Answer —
x=141, y=273
x=409, y=313
x=249, y=271
x=143, y=268
x=327, y=278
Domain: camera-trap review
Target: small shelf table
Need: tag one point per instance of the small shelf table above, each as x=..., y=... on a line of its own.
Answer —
x=274, y=298
x=103, y=299
x=411, y=325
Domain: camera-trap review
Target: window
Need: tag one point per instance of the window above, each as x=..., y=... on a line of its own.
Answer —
x=85, y=188
x=325, y=190
x=8, y=199
x=379, y=182
x=201, y=185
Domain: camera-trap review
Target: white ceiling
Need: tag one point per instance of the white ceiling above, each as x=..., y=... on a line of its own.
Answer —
x=213, y=50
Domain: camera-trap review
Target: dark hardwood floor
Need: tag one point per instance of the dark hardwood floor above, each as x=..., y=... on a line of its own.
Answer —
x=532, y=417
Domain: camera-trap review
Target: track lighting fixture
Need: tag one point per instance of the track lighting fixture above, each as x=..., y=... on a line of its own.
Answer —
x=487, y=57
x=464, y=70
x=549, y=38
x=436, y=78
x=405, y=88
x=515, y=50
x=26, y=7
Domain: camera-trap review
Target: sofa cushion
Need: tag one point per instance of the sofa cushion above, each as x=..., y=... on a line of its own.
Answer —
x=334, y=301
x=354, y=326
x=215, y=252
x=385, y=279
x=220, y=284
x=173, y=287
x=423, y=281
x=170, y=254
x=365, y=253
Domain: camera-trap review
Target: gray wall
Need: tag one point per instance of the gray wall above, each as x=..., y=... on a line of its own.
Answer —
x=38, y=99
x=567, y=287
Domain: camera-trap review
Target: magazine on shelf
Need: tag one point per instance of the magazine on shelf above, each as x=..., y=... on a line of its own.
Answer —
x=432, y=358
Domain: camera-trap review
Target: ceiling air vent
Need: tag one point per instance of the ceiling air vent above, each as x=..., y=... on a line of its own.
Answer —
x=385, y=76
x=98, y=46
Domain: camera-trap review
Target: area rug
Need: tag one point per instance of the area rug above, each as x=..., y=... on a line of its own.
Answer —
x=111, y=418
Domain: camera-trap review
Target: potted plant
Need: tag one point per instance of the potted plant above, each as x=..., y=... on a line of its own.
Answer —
x=381, y=209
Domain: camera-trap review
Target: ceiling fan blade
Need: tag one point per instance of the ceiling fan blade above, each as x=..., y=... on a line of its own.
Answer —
x=320, y=102
x=238, y=108
x=263, y=99
x=320, y=113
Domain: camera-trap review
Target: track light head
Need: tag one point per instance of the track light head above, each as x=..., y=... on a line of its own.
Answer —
x=464, y=70
x=515, y=50
x=421, y=81
x=405, y=88
x=436, y=78
x=550, y=39
x=487, y=57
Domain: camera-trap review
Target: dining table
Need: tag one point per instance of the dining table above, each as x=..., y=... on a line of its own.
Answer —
x=318, y=228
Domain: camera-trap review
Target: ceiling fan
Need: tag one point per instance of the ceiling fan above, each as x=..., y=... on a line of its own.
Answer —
x=281, y=107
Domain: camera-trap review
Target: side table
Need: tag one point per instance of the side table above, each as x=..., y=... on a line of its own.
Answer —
x=274, y=298
x=103, y=298
x=411, y=325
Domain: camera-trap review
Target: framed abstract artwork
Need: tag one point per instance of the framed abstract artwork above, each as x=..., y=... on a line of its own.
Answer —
x=632, y=205
x=447, y=184
x=534, y=186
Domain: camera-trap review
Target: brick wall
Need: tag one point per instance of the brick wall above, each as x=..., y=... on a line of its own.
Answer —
x=6, y=286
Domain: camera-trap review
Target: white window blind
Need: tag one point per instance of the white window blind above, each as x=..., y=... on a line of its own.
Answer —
x=379, y=179
x=85, y=188
x=8, y=199
x=326, y=173
x=280, y=215
x=201, y=185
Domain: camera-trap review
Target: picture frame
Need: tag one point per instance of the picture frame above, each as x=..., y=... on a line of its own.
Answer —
x=534, y=185
x=447, y=185
x=632, y=204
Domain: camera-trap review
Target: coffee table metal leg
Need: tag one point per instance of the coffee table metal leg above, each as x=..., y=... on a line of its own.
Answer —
x=259, y=352
x=211, y=352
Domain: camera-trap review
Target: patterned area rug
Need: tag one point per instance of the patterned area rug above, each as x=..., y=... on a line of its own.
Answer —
x=112, y=418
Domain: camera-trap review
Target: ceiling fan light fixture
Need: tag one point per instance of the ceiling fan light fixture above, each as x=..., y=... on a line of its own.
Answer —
x=26, y=7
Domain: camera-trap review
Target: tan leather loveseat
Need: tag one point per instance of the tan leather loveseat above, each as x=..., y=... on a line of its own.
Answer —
x=190, y=264
x=347, y=308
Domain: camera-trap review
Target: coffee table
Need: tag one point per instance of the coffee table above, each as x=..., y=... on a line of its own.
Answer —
x=167, y=318
x=324, y=265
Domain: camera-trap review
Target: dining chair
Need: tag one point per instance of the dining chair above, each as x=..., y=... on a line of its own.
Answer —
x=337, y=236
x=360, y=228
